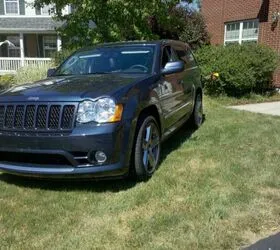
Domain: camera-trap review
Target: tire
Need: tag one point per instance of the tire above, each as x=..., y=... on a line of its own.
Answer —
x=147, y=148
x=197, y=115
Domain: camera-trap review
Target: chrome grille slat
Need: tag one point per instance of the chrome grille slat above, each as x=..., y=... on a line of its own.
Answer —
x=37, y=116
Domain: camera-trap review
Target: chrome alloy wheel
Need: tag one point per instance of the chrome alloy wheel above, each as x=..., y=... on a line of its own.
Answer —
x=151, y=147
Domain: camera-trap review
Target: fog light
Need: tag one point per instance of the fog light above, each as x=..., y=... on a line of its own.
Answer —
x=100, y=157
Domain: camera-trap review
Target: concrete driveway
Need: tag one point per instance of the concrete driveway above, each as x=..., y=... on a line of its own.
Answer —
x=269, y=108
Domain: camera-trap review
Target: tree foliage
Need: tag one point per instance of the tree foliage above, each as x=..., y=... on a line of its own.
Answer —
x=185, y=25
x=116, y=20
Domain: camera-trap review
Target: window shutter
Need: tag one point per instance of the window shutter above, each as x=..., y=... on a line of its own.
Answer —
x=4, y=48
x=2, y=7
x=22, y=7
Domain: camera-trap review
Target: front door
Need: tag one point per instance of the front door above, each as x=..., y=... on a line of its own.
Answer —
x=172, y=92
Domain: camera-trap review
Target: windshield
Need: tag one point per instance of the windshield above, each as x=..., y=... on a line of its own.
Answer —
x=120, y=59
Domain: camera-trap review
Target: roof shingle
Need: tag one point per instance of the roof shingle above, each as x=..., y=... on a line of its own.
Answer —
x=28, y=24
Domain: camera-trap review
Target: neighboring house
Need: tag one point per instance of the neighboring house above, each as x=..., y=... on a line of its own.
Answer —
x=240, y=21
x=30, y=30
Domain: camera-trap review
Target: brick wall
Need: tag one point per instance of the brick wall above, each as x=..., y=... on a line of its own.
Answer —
x=212, y=10
x=218, y=12
x=270, y=34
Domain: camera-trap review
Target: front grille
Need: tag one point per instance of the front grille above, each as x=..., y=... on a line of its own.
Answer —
x=37, y=117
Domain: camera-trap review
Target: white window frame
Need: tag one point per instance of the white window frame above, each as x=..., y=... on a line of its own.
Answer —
x=240, y=38
x=10, y=38
x=11, y=1
x=50, y=49
x=48, y=6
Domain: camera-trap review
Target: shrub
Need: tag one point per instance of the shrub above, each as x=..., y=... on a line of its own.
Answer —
x=6, y=81
x=194, y=31
x=61, y=55
x=30, y=74
x=242, y=68
x=184, y=24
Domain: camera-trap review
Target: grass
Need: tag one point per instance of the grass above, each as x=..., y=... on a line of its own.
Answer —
x=273, y=96
x=216, y=188
x=29, y=74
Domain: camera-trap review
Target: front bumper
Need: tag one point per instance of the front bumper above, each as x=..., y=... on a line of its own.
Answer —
x=113, y=170
x=67, y=155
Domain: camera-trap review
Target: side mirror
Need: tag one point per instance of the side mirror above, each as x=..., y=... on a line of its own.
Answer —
x=173, y=67
x=51, y=72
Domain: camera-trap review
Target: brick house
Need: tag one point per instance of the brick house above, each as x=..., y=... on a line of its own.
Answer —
x=239, y=21
x=30, y=32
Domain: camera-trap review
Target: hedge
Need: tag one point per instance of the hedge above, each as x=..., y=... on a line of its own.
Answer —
x=242, y=69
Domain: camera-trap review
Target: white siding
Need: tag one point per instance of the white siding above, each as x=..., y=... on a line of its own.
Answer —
x=30, y=10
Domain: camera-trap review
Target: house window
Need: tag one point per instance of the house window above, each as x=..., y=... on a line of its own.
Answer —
x=46, y=10
x=13, y=50
x=240, y=32
x=11, y=6
x=49, y=45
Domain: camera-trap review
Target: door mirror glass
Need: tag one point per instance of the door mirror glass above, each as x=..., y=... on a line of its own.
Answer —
x=173, y=67
x=51, y=72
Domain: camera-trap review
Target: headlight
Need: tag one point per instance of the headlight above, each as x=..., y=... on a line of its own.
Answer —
x=101, y=111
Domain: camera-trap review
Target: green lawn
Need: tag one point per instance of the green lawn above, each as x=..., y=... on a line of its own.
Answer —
x=217, y=188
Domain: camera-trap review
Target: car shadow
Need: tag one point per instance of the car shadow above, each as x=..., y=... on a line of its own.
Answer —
x=94, y=185
x=175, y=141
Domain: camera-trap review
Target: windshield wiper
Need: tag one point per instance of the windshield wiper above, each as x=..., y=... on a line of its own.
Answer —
x=99, y=73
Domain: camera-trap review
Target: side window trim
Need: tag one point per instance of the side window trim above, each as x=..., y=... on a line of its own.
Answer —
x=162, y=51
x=172, y=55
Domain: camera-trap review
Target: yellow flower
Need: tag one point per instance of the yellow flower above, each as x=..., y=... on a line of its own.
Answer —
x=216, y=74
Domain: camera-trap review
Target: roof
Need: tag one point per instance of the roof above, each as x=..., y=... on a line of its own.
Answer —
x=27, y=24
x=127, y=43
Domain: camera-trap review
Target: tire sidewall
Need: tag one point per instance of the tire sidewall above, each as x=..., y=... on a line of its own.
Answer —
x=196, y=120
x=140, y=170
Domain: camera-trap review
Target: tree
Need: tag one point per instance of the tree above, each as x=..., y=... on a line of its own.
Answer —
x=184, y=24
x=115, y=19
x=95, y=21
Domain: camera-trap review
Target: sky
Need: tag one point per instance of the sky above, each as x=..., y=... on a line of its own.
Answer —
x=192, y=5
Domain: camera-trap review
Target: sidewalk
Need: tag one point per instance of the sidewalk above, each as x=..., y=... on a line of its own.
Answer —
x=269, y=108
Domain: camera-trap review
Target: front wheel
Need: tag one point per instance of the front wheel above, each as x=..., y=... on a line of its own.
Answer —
x=147, y=148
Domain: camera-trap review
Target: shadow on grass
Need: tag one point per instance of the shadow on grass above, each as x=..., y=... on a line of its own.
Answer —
x=170, y=145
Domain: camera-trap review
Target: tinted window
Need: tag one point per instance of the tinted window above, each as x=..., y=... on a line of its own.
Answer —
x=123, y=59
x=191, y=59
x=168, y=55
x=186, y=56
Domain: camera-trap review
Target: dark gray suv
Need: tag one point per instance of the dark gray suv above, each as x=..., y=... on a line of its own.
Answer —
x=102, y=113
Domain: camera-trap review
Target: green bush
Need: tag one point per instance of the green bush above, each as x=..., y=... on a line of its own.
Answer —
x=61, y=55
x=29, y=74
x=6, y=81
x=242, y=68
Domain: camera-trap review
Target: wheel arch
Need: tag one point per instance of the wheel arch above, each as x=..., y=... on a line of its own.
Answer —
x=150, y=110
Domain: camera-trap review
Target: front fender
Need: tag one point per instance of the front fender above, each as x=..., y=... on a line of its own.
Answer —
x=135, y=102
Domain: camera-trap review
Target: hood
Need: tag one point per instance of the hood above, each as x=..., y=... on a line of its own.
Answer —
x=71, y=88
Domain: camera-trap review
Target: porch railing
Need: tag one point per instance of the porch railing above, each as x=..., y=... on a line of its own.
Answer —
x=12, y=64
